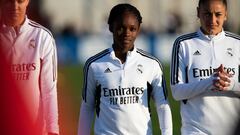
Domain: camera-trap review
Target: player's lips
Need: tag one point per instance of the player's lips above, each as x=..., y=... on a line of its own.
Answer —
x=212, y=26
x=13, y=13
x=126, y=40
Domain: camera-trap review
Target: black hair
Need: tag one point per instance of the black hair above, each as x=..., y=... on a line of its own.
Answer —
x=118, y=10
x=203, y=1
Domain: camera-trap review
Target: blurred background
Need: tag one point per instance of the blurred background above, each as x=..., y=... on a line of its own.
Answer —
x=80, y=30
x=80, y=26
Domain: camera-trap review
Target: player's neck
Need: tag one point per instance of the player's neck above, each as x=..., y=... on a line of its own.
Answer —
x=121, y=56
x=16, y=24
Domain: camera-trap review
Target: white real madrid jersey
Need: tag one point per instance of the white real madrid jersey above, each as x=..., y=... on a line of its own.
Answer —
x=120, y=93
x=195, y=58
x=31, y=53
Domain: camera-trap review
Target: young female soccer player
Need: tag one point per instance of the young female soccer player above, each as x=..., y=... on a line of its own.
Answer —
x=205, y=74
x=30, y=53
x=119, y=82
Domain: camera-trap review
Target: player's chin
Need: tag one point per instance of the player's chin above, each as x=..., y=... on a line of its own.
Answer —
x=128, y=46
x=213, y=31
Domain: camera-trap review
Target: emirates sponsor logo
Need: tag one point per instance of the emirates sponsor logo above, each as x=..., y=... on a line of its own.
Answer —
x=202, y=73
x=23, y=67
x=22, y=71
x=120, y=96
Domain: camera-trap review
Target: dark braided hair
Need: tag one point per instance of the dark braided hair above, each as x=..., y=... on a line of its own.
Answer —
x=118, y=10
x=203, y=1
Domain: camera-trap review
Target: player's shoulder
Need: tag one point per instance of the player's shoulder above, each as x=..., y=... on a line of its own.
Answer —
x=97, y=57
x=185, y=37
x=38, y=27
x=232, y=35
x=148, y=57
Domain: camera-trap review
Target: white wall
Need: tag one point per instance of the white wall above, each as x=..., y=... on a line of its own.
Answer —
x=91, y=15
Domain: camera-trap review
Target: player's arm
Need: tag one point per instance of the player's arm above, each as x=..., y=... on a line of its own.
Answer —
x=48, y=83
x=236, y=82
x=88, y=101
x=181, y=88
x=229, y=83
x=225, y=81
x=159, y=94
x=234, y=86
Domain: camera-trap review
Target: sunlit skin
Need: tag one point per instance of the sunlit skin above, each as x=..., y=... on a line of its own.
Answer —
x=223, y=82
x=212, y=15
x=125, y=31
x=13, y=12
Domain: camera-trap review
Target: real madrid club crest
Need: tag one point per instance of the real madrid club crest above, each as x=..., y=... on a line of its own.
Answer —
x=230, y=52
x=140, y=68
x=32, y=44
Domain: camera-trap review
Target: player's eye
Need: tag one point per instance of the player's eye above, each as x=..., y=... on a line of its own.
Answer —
x=20, y=1
x=207, y=14
x=13, y=1
x=218, y=14
x=133, y=29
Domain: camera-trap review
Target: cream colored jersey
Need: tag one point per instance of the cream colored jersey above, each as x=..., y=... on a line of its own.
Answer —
x=31, y=53
x=195, y=58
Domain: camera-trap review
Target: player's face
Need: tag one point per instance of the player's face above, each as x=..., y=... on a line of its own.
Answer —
x=125, y=31
x=212, y=15
x=13, y=11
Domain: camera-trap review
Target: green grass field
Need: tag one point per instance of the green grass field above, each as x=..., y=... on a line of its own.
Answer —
x=70, y=79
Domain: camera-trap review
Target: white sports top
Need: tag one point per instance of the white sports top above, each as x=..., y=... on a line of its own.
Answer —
x=195, y=58
x=120, y=94
x=31, y=53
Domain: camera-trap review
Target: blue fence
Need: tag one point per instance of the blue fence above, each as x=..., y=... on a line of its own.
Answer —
x=76, y=50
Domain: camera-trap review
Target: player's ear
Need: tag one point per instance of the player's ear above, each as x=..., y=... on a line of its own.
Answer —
x=27, y=2
x=225, y=18
x=139, y=28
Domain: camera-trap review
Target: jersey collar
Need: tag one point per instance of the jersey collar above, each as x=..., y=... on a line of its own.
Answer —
x=211, y=37
x=24, y=26
x=129, y=54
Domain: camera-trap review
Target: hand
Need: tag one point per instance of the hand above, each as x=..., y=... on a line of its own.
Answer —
x=223, y=79
x=52, y=133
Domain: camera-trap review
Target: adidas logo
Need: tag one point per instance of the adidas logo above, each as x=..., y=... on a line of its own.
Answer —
x=107, y=71
x=197, y=53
